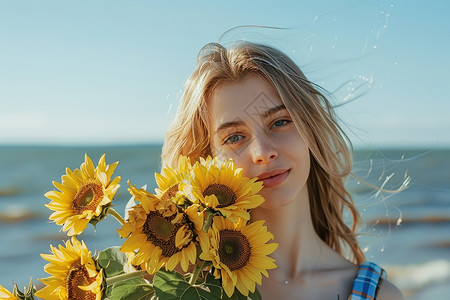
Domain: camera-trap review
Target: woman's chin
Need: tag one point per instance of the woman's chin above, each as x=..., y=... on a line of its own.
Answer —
x=275, y=203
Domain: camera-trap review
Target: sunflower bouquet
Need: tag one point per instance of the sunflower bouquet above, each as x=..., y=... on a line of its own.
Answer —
x=191, y=239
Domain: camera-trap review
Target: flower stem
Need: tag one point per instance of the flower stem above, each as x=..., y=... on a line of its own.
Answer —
x=197, y=271
x=195, y=274
x=209, y=218
x=126, y=276
x=116, y=215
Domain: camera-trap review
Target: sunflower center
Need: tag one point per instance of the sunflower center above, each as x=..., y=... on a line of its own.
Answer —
x=223, y=193
x=171, y=192
x=78, y=275
x=160, y=226
x=88, y=197
x=161, y=232
x=234, y=249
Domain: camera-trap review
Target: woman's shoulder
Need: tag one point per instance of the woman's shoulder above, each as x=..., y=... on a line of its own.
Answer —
x=388, y=291
x=371, y=282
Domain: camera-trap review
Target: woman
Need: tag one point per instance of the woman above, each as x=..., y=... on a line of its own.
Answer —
x=253, y=104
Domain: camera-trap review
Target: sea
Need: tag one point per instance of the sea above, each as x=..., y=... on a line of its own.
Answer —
x=403, y=196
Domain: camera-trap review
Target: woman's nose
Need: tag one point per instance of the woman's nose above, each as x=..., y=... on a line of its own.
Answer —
x=263, y=150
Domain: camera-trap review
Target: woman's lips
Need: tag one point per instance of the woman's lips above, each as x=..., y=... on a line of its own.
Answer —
x=274, y=177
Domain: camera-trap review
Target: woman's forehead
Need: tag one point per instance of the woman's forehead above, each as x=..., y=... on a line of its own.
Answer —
x=249, y=98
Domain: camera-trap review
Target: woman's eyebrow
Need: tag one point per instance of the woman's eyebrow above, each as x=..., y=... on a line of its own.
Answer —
x=272, y=111
x=227, y=125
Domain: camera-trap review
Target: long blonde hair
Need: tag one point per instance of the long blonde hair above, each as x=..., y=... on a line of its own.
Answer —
x=312, y=115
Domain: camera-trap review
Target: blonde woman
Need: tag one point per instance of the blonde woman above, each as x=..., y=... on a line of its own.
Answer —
x=253, y=104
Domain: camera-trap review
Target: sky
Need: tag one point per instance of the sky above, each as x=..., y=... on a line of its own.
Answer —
x=112, y=72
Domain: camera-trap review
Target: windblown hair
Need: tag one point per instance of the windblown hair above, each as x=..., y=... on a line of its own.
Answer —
x=312, y=115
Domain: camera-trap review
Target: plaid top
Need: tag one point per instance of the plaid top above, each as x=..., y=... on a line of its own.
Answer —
x=366, y=282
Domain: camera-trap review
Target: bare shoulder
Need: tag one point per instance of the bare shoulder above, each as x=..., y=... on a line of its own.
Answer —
x=388, y=291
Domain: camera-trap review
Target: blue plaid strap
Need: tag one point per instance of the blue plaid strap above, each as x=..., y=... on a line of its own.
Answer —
x=366, y=282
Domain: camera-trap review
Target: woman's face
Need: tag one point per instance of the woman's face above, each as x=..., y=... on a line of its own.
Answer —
x=249, y=123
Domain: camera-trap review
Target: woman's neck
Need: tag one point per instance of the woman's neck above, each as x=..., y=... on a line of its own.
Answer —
x=299, y=248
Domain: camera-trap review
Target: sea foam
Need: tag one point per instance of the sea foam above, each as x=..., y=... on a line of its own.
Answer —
x=414, y=277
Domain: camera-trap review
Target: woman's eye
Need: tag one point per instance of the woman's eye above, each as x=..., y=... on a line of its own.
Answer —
x=281, y=123
x=233, y=139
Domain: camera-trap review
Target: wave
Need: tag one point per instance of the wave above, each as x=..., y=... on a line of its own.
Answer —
x=8, y=191
x=414, y=278
x=18, y=213
x=416, y=220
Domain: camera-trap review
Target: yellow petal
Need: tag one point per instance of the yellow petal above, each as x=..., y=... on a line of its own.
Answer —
x=133, y=242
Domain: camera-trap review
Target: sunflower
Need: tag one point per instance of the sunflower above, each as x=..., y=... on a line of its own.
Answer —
x=158, y=234
x=84, y=195
x=169, y=179
x=74, y=273
x=238, y=253
x=222, y=187
x=6, y=295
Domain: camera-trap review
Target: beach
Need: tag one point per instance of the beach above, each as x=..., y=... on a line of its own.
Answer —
x=407, y=232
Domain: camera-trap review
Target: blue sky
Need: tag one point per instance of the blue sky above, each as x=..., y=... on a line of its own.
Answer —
x=111, y=72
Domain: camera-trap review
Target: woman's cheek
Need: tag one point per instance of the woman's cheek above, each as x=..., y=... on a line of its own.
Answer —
x=220, y=154
x=225, y=152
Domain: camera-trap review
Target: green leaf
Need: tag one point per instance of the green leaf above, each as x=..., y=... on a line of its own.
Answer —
x=171, y=285
x=28, y=293
x=102, y=215
x=136, y=288
x=255, y=296
x=214, y=285
x=141, y=292
x=238, y=296
x=112, y=261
